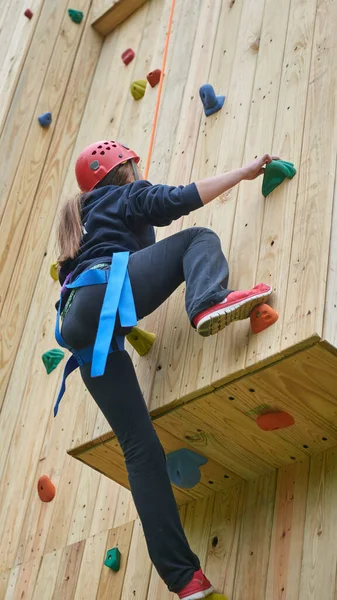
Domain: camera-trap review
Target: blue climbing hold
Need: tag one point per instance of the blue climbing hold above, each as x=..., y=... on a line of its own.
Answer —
x=45, y=119
x=183, y=467
x=212, y=103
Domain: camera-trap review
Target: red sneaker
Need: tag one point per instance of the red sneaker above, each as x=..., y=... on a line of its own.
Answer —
x=197, y=589
x=236, y=306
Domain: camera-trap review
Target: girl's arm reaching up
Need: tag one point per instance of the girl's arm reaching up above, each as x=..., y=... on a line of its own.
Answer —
x=211, y=188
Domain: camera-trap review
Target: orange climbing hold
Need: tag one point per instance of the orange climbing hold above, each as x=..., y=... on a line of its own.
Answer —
x=275, y=420
x=262, y=316
x=46, y=489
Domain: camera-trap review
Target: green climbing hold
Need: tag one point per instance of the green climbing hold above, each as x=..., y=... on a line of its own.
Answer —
x=275, y=173
x=138, y=88
x=113, y=559
x=52, y=358
x=75, y=15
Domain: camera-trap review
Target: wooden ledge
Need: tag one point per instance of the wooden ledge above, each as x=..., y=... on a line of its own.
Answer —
x=222, y=425
x=107, y=14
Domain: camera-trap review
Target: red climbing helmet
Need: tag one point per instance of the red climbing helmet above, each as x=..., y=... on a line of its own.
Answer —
x=98, y=159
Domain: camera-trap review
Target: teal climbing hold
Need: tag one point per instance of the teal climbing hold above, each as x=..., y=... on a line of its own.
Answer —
x=75, y=15
x=183, y=467
x=52, y=358
x=275, y=173
x=113, y=559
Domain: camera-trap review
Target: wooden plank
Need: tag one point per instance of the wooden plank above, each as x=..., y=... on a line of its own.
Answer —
x=197, y=525
x=214, y=154
x=173, y=341
x=44, y=527
x=24, y=102
x=111, y=584
x=245, y=240
x=138, y=570
x=35, y=240
x=69, y=569
x=279, y=211
x=284, y=570
x=47, y=575
x=222, y=552
x=82, y=510
x=93, y=558
x=310, y=249
x=254, y=544
x=125, y=511
x=27, y=177
x=16, y=35
x=330, y=312
x=183, y=34
x=105, y=506
x=318, y=573
x=22, y=580
x=115, y=12
x=4, y=579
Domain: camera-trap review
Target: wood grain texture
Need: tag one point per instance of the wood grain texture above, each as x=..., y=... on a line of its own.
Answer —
x=318, y=571
x=33, y=244
x=224, y=538
x=138, y=570
x=108, y=15
x=255, y=536
x=46, y=579
x=110, y=584
x=312, y=227
x=284, y=570
x=279, y=207
x=330, y=309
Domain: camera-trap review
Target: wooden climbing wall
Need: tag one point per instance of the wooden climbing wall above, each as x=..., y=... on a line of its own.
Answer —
x=274, y=536
x=270, y=539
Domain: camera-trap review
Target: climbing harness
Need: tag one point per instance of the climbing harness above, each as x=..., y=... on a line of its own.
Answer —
x=118, y=297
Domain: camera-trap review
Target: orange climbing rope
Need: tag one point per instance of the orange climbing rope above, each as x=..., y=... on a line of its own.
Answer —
x=156, y=111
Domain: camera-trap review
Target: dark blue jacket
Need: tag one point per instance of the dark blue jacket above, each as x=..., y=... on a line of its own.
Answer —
x=119, y=218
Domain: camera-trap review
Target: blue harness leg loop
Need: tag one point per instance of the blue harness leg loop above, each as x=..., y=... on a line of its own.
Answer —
x=118, y=297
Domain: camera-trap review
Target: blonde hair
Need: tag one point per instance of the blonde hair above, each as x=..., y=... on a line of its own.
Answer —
x=69, y=229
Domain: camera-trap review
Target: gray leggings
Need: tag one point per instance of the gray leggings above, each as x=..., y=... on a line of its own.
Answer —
x=193, y=255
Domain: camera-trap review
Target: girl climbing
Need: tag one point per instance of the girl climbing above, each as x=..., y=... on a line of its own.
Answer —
x=112, y=273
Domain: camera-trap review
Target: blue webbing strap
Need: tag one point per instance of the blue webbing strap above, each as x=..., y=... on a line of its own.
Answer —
x=71, y=365
x=118, y=295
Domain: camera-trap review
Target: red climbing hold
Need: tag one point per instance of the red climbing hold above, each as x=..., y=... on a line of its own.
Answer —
x=28, y=13
x=261, y=317
x=275, y=420
x=127, y=56
x=46, y=489
x=154, y=77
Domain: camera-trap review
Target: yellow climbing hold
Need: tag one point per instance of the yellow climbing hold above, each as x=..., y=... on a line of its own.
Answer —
x=142, y=341
x=138, y=88
x=217, y=597
x=53, y=271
